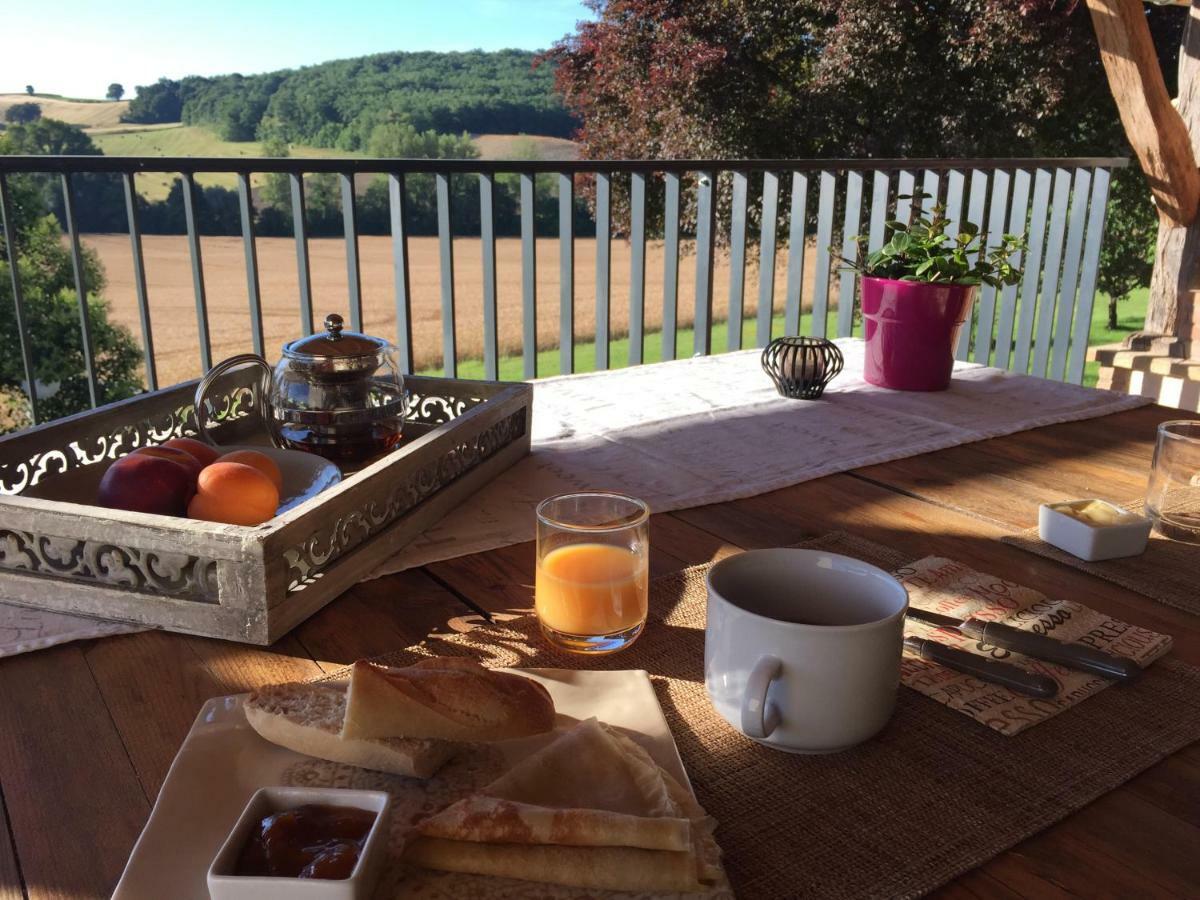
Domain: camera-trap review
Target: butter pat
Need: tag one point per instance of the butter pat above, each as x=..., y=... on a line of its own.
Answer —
x=1093, y=530
x=1096, y=512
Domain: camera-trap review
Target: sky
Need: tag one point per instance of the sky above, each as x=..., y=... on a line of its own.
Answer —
x=78, y=47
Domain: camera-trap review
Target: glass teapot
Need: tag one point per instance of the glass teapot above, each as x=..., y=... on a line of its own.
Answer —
x=339, y=394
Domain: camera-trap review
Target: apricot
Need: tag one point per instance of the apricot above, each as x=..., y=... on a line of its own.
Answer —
x=259, y=461
x=234, y=493
x=174, y=454
x=145, y=482
x=205, y=453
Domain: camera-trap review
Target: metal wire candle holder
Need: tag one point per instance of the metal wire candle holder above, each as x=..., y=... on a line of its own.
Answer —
x=802, y=367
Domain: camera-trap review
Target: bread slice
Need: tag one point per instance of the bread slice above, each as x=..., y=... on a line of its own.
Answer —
x=448, y=699
x=307, y=718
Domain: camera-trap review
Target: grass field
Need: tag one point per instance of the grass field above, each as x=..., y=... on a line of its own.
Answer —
x=172, y=300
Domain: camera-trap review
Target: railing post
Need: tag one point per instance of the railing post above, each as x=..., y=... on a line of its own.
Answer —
x=603, y=251
x=10, y=247
x=193, y=234
x=670, y=315
x=737, y=263
x=300, y=233
x=1080, y=193
x=820, y=323
x=847, y=280
x=796, y=249
x=566, y=273
x=446, y=257
x=250, y=250
x=706, y=214
x=528, y=280
x=766, y=258
x=139, y=280
x=85, y=319
x=1091, y=270
x=975, y=210
x=637, y=267
x=396, y=210
x=350, y=233
x=487, y=249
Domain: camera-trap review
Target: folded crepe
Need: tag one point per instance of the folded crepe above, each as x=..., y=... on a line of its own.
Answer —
x=589, y=810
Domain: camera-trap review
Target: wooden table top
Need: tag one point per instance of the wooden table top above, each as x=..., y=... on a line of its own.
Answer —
x=89, y=729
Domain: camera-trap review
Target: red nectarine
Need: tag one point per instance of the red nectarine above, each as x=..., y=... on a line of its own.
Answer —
x=174, y=454
x=206, y=453
x=143, y=482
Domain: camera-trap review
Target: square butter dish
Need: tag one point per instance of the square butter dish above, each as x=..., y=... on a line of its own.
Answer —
x=1093, y=530
x=223, y=884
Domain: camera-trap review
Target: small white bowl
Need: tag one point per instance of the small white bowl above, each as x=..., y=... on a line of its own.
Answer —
x=1090, y=541
x=224, y=885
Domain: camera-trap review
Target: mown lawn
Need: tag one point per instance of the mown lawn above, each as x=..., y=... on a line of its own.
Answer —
x=1131, y=313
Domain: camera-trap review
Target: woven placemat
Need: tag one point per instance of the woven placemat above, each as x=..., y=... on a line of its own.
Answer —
x=933, y=796
x=1166, y=572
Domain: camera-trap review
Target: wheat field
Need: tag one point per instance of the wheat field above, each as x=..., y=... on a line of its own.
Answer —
x=173, y=313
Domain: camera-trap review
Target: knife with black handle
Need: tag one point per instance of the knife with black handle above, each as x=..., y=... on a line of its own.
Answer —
x=1039, y=646
x=1010, y=676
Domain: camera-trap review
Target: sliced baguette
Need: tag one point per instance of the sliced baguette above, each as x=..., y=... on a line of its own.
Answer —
x=447, y=699
x=307, y=718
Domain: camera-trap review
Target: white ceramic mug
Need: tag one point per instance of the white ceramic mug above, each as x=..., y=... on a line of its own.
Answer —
x=802, y=647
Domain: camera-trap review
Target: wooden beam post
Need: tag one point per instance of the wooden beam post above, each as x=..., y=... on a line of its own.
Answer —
x=1175, y=284
x=1155, y=129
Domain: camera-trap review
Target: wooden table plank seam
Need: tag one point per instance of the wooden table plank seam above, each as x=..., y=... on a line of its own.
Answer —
x=10, y=861
x=905, y=492
x=124, y=741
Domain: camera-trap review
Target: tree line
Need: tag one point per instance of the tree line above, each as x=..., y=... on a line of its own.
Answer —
x=339, y=104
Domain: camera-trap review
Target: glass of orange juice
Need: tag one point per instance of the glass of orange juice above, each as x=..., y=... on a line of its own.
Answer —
x=593, y=573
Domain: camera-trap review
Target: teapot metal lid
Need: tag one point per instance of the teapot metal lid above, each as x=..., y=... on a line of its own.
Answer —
x=336, y=350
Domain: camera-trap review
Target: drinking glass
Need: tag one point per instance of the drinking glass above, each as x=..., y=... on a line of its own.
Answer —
x=593, y=550
x=1173, y=497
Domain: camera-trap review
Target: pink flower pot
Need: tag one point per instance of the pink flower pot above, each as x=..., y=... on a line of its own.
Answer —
x=911, y=328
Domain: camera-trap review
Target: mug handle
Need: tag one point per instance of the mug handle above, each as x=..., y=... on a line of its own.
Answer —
x=200, y=401
x=760, y=718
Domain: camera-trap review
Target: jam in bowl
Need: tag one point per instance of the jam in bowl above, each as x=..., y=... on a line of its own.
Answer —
x=303, y=842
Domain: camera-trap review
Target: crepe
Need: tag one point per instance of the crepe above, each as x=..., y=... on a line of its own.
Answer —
x=590, y=810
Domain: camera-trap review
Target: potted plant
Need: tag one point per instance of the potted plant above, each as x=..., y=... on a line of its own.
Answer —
x=917, y=290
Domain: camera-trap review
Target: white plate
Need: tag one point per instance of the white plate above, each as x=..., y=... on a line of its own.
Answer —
x=223, y=761
x=304, y=476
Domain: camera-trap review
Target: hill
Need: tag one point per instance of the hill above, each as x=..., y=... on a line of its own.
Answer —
x=192, y=140
x=84, y=113
x=337, y=104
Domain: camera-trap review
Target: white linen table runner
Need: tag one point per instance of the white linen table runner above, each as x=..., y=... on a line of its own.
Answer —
x=712, y=429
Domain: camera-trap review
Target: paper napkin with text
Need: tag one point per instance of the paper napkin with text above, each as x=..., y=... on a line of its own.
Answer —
x=953, y=589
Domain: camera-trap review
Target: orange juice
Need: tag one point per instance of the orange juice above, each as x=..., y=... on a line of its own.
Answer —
x=591, y=589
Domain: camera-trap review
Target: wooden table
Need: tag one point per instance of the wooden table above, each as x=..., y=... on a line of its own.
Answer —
x=88, y=730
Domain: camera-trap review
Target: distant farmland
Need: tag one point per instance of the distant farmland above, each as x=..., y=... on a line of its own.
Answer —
x=87, y=114
x=172, y=301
